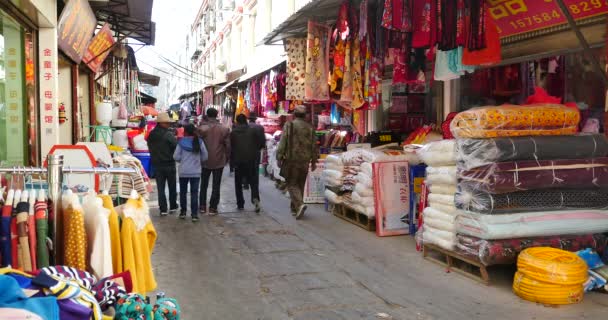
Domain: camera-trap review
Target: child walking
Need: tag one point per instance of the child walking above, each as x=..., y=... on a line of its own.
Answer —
x=190, y=154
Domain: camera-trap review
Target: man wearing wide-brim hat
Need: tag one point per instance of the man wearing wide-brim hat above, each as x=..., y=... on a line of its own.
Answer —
x=296, y=152
x=162, y=143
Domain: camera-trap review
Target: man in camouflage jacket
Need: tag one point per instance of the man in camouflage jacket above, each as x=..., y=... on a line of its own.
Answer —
x=297, y=151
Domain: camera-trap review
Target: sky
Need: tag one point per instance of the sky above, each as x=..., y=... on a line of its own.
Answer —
x=173, y=19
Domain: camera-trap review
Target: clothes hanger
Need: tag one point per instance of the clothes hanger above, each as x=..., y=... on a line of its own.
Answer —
x=11, y=192
x=106, y=191
x=17, y=197
x=134, y=194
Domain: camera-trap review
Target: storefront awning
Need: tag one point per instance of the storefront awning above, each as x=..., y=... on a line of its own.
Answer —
x=148, y=78
x=323, y=11
x=228, y=85
x=146, y=99
x=131, y=18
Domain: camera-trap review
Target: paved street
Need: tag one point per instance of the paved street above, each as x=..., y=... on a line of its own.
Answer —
x=268, y=266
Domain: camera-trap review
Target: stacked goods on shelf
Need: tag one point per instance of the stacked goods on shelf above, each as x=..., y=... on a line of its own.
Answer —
x=440, y=214
x=525, y=179
x=363, y=195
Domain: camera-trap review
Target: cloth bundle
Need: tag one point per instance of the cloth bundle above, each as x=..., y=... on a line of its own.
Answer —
x=493, y=252
x=439, y=153
x=515, y=176
x=473, y=153
x=531, y=224
x=533, y=200
x=515, y=121
x=363, y=194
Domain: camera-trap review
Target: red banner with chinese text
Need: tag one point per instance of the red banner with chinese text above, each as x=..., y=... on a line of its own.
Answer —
x=99, y=48
x=515, y=17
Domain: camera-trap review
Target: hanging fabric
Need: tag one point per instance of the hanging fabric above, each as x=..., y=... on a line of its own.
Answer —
x=317, y=62
x=23, y=247
x=490, y=54
x=421, y=23
x=363, y=8
x=31, y=229
x=448, y=25
x=476, y=39
x=114, y=228
x=97, y=227
x=42, y=228
x=74, y=234
x=5, y=230
x=358, y=99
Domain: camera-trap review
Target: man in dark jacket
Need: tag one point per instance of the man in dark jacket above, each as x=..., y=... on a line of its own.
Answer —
x=261, y=142
x=162, y=143
x=245, y=153
x=217, y=140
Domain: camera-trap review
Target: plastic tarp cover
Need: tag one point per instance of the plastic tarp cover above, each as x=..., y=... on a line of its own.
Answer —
x=516, y=176
x=531, y=224
x=441, y=175
x=533, y=200
x=473, y=153
x=515, y=121
x=493, y=252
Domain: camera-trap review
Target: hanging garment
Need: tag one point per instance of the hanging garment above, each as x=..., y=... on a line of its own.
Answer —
x=337, y=75
x=99, y=242
x=138, y=237
x=375, y=86
x=363, y=20
x=421, y=23
x=490, y=54
x=461, y=31
x=5, y=235
x=31, y=231
x=42, y=227
x=478, y=24
x=23, y=248
x=14, y=235
x=317, y=62
x=400, y=66
x=74, y=233
x=449, y=25
x=114, y=226
x=357, y=98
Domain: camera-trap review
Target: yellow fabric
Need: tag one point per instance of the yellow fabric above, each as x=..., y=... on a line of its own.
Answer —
x=9, y=270
x=513, y=121
x=137, y=247
x=114, y=234
x=75, y=238
x=550, y=276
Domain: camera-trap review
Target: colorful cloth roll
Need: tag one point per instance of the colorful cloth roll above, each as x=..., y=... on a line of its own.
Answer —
x=516, y=121
x=493, y=252
x=516, y=176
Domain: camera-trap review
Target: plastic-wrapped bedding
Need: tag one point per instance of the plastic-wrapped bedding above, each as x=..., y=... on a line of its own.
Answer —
x=443, y=199
x=533, y=200
x=493, y=252
x=439, y=153
x=448, y=189
x=516, y=121
x=531, y=224
x=516, y=176
x=332, y=197
x=473, y=153
x=441, y=175
x=444, y=239
x=333, y=178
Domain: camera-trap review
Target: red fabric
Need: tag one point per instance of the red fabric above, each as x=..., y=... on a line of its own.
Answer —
x=31, y=234
x=421, y=24
x=14, y=243
x=488, y=56
x=541, y=96
x=445, y=126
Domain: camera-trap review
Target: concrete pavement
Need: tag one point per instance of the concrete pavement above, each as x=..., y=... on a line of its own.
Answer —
x=243, y=265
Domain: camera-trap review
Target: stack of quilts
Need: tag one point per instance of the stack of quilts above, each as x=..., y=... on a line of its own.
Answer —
x=526, y=179
x=440, y=214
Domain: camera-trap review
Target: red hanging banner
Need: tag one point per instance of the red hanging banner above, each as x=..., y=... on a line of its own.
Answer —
x=515, y=17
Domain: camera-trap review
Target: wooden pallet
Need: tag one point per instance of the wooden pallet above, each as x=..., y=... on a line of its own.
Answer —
x=359, y=219
x=453, y=261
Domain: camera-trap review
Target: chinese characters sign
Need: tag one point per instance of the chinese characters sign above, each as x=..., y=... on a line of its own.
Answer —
x=76, y=26
x=14, y=93
x=99, y=48
x=515, y=17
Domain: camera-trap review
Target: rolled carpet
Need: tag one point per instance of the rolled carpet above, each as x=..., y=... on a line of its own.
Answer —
x=505, y=251
x=505, y=177
x=473, y=153
x=533, y=200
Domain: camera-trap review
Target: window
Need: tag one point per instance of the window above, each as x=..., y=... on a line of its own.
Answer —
x=17, y=92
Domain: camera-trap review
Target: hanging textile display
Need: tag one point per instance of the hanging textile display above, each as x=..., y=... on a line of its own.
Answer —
x=241, y=107
x=375, y=85
x=296, y=67
x=317, y=62
x=340, y=51
x=422, y=20
x=357, y=95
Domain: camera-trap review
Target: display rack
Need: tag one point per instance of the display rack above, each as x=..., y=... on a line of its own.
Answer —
x=54, y=173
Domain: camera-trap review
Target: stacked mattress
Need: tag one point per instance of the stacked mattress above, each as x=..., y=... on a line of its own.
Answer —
x=526, y=179
x=441, y=178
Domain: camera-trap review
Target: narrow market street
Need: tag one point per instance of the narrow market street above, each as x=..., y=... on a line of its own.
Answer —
x=268, y=266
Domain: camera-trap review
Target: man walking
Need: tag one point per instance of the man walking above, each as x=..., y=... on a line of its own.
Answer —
x=162, y=143
x=261, y=143
x=217, y=140
x=297, y=150
x=245, y=151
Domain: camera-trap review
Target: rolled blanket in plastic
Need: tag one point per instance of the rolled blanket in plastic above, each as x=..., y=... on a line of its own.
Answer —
x=516, y=176
x=533, y=200
x=473, y=153
x=531, y=224
x=515, y=121
x=441, y=175
x=505, y=251
x=439, y=153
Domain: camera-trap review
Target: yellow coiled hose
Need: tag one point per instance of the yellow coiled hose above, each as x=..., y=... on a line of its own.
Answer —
x=550, y=276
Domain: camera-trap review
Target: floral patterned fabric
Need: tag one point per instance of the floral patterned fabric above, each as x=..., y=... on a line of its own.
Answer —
x=358, y=99
x=296, y=68
x=317, y=62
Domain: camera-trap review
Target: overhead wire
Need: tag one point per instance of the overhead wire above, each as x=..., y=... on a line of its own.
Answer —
x=165, y=72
